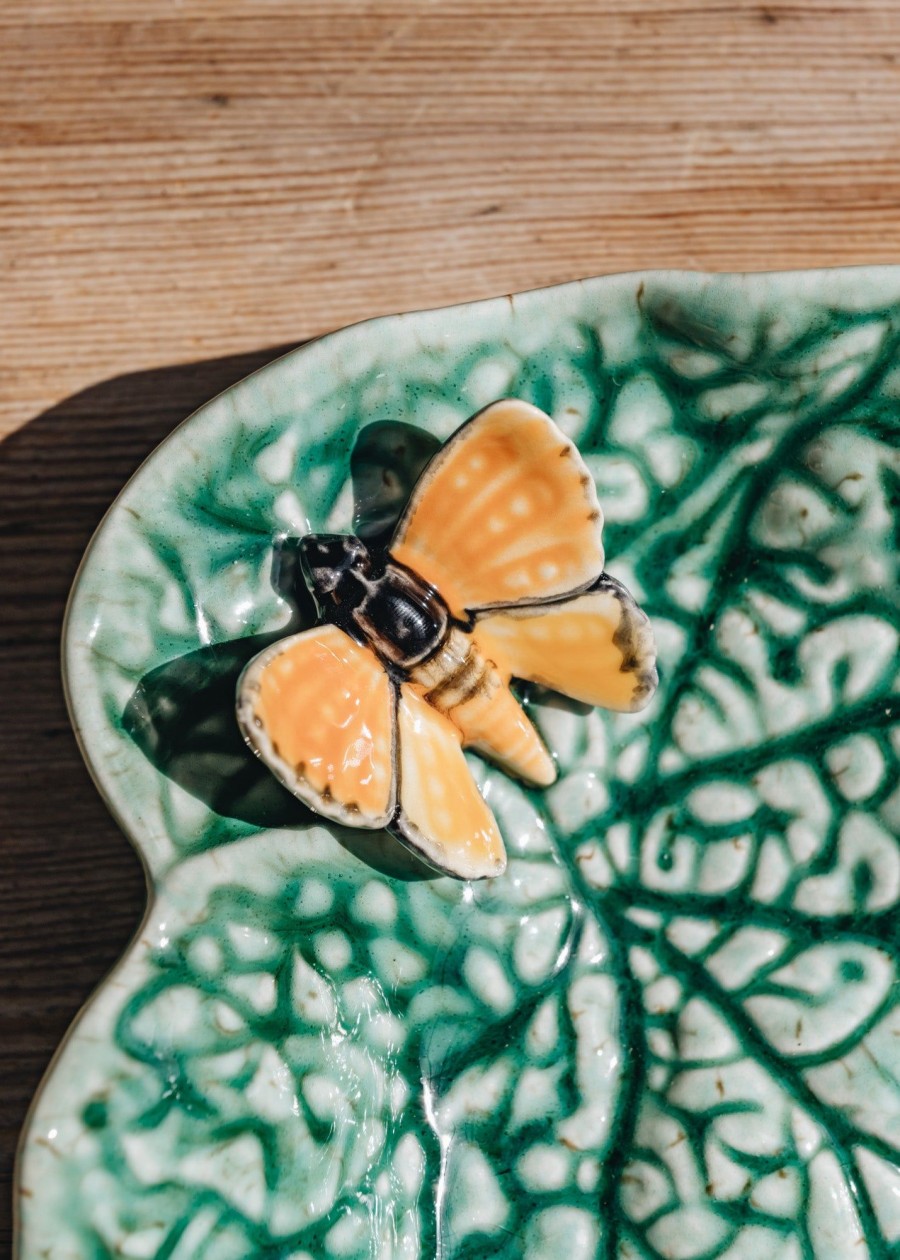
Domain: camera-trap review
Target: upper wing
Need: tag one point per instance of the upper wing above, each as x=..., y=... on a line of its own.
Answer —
x=442, y=816
x=597, y=647
x=505, y=513
x=321, y=712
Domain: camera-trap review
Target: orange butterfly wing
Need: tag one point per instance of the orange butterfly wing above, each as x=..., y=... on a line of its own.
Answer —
x=505, y=513
x=596, y=647
x=319, y=709
x=442, y=815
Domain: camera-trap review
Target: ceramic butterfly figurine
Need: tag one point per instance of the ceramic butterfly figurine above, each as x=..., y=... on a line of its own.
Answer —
x=495, y=571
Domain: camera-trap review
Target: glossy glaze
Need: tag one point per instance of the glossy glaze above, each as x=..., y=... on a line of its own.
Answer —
x=670, y=1027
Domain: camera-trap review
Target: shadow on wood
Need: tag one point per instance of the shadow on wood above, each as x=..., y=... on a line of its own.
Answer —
x=71, y=887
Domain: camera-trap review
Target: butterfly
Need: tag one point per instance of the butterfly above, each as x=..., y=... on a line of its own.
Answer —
x=494, y=572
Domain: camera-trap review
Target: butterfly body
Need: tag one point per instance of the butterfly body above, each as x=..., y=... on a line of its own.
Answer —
x=403, y=619
x=494, y=572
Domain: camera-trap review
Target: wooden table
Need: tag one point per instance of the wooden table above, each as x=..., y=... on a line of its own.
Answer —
x=187, y=186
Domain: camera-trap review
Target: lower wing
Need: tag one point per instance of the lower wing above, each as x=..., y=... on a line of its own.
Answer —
x=320, y=710
x=442, y=815
x=596, y=647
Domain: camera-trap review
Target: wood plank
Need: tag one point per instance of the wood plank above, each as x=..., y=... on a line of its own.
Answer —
x=211, y=177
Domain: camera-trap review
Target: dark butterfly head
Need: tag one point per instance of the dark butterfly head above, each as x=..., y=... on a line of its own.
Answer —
x=333, y=565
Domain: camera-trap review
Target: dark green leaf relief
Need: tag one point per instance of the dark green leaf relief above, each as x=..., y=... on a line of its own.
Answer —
x=671, y=1029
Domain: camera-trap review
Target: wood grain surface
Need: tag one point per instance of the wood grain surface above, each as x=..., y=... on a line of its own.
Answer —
x=195, y=179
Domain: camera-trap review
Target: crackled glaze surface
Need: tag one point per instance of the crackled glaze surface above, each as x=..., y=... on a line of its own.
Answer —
x=670, y=1029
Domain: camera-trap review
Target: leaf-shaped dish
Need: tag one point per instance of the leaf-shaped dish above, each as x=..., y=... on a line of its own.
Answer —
x=671, y=1028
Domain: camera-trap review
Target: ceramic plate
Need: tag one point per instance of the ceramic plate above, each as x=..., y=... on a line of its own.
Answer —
x=671, y=1028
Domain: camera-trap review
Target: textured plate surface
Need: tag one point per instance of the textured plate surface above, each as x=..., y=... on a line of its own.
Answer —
x=671, y=1028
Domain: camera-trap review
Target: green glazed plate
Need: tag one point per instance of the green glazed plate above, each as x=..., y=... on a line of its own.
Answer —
x=671, y=1029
